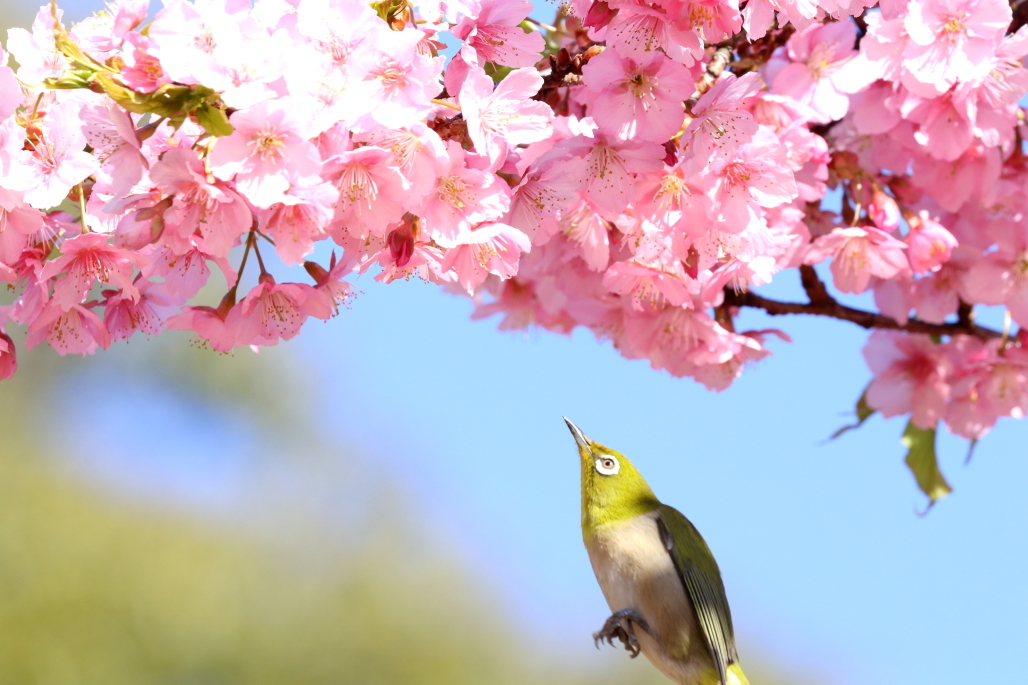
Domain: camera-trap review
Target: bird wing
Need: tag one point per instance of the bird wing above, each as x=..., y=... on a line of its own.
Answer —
x=702, y=580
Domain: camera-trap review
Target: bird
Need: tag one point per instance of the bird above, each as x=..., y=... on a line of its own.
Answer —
x=658, y=575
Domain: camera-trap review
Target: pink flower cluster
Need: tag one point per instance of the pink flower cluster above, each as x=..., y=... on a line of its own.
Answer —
x=603, y=172
x=964, y=381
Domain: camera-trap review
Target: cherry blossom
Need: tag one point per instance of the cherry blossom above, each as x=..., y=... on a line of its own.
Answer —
x=638, y=169
x=491, y=248
x=813, y=76
x=637, y=101
x=8, y=357
x=493, y=36
x=505, y=116
x=272, y=311
x=87, y=259
x=58, y=160
x=265, y=153
x=859, y=253
x=77, y=330
x=910, y=376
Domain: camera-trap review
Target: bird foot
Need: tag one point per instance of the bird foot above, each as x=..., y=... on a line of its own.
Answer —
x=621, y=625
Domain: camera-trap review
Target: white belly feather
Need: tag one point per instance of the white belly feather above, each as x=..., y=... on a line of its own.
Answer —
x=635, y=571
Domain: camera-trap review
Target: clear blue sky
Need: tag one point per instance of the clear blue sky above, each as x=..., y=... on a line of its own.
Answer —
x=829, y=570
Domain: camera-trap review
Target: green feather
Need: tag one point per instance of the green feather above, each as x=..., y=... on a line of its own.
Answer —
x=702, y=580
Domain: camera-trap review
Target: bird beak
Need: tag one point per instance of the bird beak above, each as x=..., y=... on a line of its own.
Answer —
x=583, y=442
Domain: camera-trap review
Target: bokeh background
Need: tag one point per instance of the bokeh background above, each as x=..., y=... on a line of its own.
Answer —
x=392, y=498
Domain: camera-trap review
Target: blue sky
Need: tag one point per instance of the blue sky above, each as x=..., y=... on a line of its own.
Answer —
x=829, y=569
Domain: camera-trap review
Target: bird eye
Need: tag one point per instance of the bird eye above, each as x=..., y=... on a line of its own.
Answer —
x=608, y=466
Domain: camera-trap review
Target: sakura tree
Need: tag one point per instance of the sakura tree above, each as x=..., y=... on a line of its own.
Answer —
x=638, y=168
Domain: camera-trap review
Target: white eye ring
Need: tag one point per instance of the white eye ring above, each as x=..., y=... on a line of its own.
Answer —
x=607, y=465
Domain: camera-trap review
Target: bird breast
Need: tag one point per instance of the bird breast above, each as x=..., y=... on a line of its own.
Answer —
x=635, y=571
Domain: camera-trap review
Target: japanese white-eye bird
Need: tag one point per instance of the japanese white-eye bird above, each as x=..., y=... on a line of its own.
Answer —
x=656, y=572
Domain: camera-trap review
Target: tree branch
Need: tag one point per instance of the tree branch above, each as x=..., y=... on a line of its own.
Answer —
x=823, y=304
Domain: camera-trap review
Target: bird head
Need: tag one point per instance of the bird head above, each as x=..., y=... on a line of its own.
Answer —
x=612, y=488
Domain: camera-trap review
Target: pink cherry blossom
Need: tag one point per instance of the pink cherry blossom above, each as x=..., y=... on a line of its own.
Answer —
x=372, y=194
x=910, y=376
x=8, y=357
x=637, y=101
x=145, y=313
x=611, y=166
x=542, y=193
x=77, y=330
x=647, y=287
x=987, y=384
x=186, y=38
x=938, y=296
x=87, y=259
x=492, y=248
x=59, y=160
x=929, y=244
x=715, y=20
x=1001, y=277
x=184, y=274
x=857, y=254
x=299, y=220
x=398, y=80
x=639, y=30
x=18, y=221
x=462, y=198
x=893, y=151
x=36, y=52
x=504, y=117
x=584, y=226
x=10, y=91
x=330, y=281
x=208, y=323
x=754, y=175
x=813, y=77
x=719, y=122
x=103, y=32
x=265, y=153
x=494, y=35
x=111, y=133
x=212, y=209
x=272, y=311
x=951, y=39
x=748, y=347
x=142, y=71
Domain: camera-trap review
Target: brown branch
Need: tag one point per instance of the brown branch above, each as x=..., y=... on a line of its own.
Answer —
x=813, y=286
x=1020, y=15
x=823, y=304
x=833, y=309
x=719, y=61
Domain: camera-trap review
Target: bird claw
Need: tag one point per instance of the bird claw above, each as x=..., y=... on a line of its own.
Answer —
x=621, y=625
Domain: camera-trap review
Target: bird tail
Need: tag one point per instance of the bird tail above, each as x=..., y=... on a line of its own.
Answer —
x=736, y=676
x=733, y=676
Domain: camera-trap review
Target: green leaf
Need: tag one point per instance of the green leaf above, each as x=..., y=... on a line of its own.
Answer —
x=76, y=78
x=863, y=411
x=497, y=72
x=922, y=462
x=213, y=119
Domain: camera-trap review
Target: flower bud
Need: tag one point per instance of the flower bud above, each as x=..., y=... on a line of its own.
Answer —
x=8, y=357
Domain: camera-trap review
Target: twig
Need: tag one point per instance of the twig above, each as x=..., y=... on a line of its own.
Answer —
x=718, y=63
